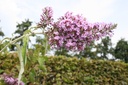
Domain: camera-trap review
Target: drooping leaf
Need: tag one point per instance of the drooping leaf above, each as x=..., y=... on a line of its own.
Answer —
x=41, y=61
x=21, y=62
x=24, y=49
x=32, y=75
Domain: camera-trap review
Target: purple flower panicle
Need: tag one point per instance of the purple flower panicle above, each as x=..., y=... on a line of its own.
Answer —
x=46, y=17
x=9, y=80
x=74, y=32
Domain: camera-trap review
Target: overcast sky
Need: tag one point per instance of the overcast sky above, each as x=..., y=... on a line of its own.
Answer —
x=115, y=11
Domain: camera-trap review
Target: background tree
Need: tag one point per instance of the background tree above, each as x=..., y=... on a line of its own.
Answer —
x=121, y=50
x=89, y=52
x=21, y=28
x=1, y=33
x=104, y=48
x=1, y=44
x=63, y=52
x=39, y=46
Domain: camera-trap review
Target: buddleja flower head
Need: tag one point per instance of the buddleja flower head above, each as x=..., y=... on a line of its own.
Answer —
x=9, y=80
x=46, y=17
x=74, y=32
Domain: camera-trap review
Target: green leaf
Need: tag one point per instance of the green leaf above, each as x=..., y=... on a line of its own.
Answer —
x=1, y=71
x=41, y=61
x=43, y=68
x=2, y=82
x=21, y=62
x=32, y=75
x=24, y=49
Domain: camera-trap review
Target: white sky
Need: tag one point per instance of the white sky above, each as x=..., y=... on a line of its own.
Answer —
x=115, y=11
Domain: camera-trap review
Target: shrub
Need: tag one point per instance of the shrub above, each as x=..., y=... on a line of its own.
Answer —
x=68, y=71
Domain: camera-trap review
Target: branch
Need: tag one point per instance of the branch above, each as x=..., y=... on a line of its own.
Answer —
x=14, y=41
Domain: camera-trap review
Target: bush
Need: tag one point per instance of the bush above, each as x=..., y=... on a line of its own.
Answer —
x=67, y=71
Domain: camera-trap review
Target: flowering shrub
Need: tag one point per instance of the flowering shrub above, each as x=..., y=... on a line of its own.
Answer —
x=73, y=32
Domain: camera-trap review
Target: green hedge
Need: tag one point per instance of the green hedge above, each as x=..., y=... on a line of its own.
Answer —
x=68, y=71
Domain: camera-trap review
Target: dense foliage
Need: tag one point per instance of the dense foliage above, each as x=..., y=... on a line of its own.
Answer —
x=67, y=71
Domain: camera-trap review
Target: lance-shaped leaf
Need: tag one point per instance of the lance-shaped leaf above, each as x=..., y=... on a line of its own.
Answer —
x=24, y=49
x=41, y=61
x=21, y=62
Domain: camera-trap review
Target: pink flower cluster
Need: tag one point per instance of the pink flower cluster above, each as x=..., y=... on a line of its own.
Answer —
x=46, y=17
x=74, y=32
x=9, y=80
